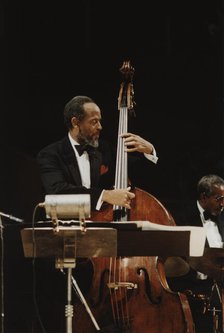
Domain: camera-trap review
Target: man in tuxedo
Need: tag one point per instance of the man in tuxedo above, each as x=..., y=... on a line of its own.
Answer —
x=207, y=212
x=79, y=164
x=82, y=164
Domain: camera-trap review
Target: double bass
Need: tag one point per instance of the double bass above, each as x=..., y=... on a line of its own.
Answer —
x=131, y=294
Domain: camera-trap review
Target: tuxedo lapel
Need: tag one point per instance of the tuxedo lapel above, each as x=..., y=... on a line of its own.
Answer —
x=71, y=161
x=95, y=162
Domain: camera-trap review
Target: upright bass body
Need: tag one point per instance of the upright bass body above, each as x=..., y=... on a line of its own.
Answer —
x=131, y=294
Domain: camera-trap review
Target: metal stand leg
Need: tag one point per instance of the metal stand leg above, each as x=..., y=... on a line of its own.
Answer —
x=69, y=306
x=216, y=312
x=70, y=264
x=222, y=302
x=215, y=321
x=79, y=293
x=2, y=277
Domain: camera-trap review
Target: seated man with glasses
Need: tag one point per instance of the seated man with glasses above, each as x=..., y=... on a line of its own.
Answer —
x=210, y=205
x=203, y=290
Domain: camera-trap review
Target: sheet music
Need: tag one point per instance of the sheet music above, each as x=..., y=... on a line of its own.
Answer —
x=197, y=238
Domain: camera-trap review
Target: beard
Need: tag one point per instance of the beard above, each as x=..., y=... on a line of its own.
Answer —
x=84, y=139
x=93, y=143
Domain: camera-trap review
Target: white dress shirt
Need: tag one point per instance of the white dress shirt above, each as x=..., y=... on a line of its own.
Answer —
x=212, y=234
x=83, y=163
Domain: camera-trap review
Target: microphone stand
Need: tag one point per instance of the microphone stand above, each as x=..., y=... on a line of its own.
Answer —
x=13, y=218
x=2, y=276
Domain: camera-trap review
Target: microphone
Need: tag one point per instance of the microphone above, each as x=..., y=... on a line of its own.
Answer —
x=11, y=217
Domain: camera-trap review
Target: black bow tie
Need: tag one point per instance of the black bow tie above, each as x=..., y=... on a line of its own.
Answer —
x=209, y=216
x=84, y=147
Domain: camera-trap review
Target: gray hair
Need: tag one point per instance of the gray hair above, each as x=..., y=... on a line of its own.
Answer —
x=74, y=108
x=207, y=183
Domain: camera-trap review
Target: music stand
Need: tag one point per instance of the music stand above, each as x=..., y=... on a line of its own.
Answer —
x=65, y=246
x=66, y=206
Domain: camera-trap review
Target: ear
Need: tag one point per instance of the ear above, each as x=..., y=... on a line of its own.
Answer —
x=203, y=196
x=74, y=122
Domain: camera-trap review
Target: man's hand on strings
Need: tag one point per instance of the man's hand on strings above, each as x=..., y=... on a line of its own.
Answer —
x=134, y=142
x=119, y=197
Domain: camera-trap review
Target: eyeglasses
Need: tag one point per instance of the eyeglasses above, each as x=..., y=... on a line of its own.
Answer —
x=220, y=198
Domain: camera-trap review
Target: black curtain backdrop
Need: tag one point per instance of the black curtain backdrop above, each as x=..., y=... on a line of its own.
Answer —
x=52, y=51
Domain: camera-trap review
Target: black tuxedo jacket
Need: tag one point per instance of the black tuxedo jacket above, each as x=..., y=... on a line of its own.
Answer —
x=190, y=215
x=60, y=174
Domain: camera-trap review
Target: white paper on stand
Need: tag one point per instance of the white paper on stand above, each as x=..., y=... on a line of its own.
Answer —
x=197, y=235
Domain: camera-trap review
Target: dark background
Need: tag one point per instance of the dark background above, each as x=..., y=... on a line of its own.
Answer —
x=52, y=51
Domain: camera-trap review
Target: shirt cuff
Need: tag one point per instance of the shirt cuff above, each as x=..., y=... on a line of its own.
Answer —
x=99, y=202
x=152, y=157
